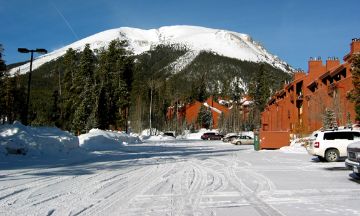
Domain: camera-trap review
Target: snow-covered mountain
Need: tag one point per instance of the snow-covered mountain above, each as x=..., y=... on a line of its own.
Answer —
x=196, y=39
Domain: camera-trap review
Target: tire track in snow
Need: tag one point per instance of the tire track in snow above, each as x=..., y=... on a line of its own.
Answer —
x=25, y=192
x=137, y=182
x=250, y=195
x=177, y=192
x=13, y=193
x=35, y=193
x=191, y=189
x=201, y=189
x=216, y=183
x=159, y=197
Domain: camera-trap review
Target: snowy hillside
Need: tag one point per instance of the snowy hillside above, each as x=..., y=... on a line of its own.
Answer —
x=222, y=42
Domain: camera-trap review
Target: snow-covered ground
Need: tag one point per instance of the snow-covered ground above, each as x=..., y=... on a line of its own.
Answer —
x=99, y=140
x=36, y=141
x=175, y=177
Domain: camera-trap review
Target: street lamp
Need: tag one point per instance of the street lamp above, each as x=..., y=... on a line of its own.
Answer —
x=25, y=50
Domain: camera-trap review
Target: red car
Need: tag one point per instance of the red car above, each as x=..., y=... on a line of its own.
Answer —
x=211, y=136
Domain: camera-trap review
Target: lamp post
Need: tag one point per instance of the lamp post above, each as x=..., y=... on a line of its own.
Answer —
x=25, y=50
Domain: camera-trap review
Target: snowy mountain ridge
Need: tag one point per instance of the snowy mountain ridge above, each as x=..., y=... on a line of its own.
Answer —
x=196, y=39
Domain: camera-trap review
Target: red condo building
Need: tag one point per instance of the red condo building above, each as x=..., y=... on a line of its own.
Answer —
x=300, y=105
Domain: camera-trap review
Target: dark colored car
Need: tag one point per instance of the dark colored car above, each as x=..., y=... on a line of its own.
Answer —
x=353, y=160
x=211, y=136
x=172, y=134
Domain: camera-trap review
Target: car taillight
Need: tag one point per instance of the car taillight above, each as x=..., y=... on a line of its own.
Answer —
x=316, y=144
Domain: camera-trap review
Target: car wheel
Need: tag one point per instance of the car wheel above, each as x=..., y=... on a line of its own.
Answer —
x=331, y=155
x=208, y=138
x=238, y=143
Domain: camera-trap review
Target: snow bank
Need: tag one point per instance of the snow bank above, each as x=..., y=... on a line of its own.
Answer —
x=296, y=146
x=20, y=139
x=160, y=138
x=100, y=140
x=158, y=135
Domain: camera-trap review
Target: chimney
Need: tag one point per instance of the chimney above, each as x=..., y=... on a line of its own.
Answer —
x=316, y=67
x=354, y=49
x=355, y=46
x=299, y=73
x=332, y=62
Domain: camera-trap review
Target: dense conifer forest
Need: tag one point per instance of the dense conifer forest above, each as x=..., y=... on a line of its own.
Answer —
x=113, y=89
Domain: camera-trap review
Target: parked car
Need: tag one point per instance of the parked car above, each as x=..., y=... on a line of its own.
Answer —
x=243, y=140
x=229, y=137
x=353, y=160
x=169, y=133
x=331, y=145
x=211, y=136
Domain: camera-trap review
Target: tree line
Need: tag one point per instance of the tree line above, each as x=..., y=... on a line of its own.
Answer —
x=110, y=88
x=79, y=91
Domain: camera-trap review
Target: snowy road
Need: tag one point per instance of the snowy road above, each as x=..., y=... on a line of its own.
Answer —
x=180, y=178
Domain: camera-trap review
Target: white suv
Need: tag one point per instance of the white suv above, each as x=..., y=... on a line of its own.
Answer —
x=331, y=145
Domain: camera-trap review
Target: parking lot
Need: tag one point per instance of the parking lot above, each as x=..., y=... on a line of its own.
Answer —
x=182, y=178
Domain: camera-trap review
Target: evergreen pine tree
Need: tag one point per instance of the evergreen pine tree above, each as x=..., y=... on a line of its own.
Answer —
x=204, y=118
x=69, y=94
x=259, y=90
x=209, y=119
x=102, y=109
x=115, y=75
x=13, y=98
x=2, y=86
x=86, y=67
x=84, y=86
x=80, y=119
x=329, y=119
x=55, y=112
x=70, y=62
x=237, y=91
x=355, y=93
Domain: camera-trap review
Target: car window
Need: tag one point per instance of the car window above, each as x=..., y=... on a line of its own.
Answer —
x=356, y=135
x=349, y=135
x=330, y=136
x=338, y=135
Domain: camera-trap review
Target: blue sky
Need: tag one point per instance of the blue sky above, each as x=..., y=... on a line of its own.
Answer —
x=292, y=30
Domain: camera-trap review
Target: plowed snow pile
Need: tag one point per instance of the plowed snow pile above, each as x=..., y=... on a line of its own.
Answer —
x=20, y=139
x=100, y=140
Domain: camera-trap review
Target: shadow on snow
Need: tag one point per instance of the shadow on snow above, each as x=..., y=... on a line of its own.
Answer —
x=151, y=153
